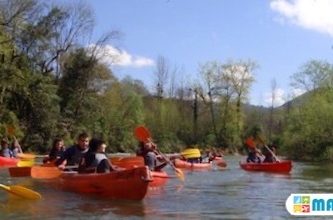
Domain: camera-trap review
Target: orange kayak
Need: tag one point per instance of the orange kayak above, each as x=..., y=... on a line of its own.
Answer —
x=127, y=162
x=160, y=178
x=8, y=162
x=129, y=184
x=194, y=166
x=19, y=171
x=220, y=162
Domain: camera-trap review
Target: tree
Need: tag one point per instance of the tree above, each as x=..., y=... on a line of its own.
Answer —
x=313, y=75
x=135, y=85
x=210, y=72
x=271, y=119
x=122, y=111
x=241, y=74
x=308, y=131
x=161, y=75
x=308, y=134
x=81, y=74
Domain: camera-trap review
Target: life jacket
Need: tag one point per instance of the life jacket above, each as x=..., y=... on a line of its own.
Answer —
x=98, y=158
x=250, y=142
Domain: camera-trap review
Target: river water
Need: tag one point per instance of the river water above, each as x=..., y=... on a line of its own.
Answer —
x=218, y=194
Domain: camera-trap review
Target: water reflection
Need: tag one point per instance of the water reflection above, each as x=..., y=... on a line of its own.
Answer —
x=14, y=204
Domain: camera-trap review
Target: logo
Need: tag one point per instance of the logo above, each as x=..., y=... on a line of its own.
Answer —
x=310, y=204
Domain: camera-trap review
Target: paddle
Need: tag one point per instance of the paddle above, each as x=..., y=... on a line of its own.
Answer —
x=40, y=172
x=276, y=158
x=26, y=156
x=21, y=192
x=142, y=134
x=179, y=173
x=21, y=155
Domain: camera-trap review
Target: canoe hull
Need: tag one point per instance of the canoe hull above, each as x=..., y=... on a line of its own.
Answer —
x=128, y=184
x=8, y=162
x=193, y=166
x=19, y=171
x=281, y=167
x=159, y=178
x=127, y=162
x=219, y=162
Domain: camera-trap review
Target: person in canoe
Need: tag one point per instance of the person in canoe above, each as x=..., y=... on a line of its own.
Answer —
x=269, y=158
x=5, y=150
x=151, y=156
x=16, y=148
x=212, y=154
x=253, y=152
x=56, y=152
x=96, y=159
x=73, y=154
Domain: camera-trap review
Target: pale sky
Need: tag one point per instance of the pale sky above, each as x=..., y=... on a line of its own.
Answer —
x=280, y=35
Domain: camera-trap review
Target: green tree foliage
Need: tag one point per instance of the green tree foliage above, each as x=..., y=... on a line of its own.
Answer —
x=227, y=86
x=78, y=89
x=308, y=134
x=122, y=111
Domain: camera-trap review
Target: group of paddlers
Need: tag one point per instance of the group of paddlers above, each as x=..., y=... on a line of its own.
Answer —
x=88, y=155
x=267, y=155
x=10, y=150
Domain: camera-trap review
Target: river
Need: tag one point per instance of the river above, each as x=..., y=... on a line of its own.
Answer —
x=218, y=194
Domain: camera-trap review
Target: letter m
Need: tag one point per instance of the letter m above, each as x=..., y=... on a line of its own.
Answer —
x=318, y=205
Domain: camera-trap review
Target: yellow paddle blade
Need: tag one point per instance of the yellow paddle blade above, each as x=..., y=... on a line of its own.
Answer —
x=25, y=163
x=180, y=174
x=191, y=153
x=21, y=192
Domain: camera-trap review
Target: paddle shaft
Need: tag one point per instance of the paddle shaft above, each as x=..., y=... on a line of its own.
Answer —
x=270, y=151
x=166, y=159
x=142, y=134
x=17, y=144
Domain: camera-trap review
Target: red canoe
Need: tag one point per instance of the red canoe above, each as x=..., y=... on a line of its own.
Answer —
x=129, y=184
x=8, y=162
x=279, y=167
x=194, y=166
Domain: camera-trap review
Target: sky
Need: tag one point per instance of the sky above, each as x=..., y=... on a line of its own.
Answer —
x=279, y=35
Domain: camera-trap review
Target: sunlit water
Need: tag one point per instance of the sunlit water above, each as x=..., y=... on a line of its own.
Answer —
x=218, y=194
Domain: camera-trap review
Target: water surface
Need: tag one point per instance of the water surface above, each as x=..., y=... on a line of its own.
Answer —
x=218, y=194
